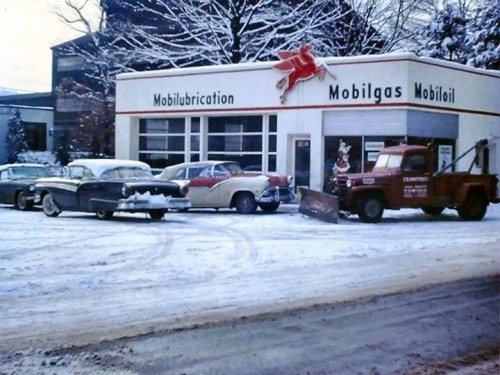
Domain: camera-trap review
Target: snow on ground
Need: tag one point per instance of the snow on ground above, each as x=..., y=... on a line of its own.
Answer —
x=74, y=280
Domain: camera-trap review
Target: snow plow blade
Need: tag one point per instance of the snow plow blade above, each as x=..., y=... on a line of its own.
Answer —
x=319, y=205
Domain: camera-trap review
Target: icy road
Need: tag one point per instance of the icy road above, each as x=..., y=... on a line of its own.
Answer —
x=74, y=280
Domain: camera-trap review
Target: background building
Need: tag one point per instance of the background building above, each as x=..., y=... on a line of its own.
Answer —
x=38, y=126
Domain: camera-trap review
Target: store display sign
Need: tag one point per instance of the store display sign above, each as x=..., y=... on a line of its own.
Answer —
x=374, y=146
x=444, y=156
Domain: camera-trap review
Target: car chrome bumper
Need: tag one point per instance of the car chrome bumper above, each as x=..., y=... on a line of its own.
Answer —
x=145, y=205
x=277, y=194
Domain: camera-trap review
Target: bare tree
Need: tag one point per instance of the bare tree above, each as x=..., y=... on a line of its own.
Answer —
x=195, y=32
x=102, y=50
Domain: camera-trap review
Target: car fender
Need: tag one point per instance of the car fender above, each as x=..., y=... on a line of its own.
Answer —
x=465, y=188
x=359, y=191
x=232, y=186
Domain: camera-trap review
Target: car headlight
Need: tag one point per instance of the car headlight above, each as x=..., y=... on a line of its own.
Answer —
x=290, y=180
x=348, y=183
x=31, y=187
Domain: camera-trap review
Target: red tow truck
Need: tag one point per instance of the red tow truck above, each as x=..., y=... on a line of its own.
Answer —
x=404, y=177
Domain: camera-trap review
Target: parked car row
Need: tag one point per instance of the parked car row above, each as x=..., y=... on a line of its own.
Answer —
x=105, y=186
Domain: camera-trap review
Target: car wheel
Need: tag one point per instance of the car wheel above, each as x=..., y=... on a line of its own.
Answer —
x=474, y=207
x=433, y=210
x=157, y=214
x=245, y=203
x=269, y=207
x=370, y=209
x=22, y=203
x=104, y=215
x=49, y=207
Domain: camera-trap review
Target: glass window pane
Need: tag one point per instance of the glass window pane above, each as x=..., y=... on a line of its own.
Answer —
x=195, y=143
x=252, y=143
x=152, y=143
x=272, y=143
x=175, y=143
x=152, y=126
x=195, y=125
x=342, y=155
x=216, y=143
x=175, y=126
x=271, y=163
x=273, y=124
x=235, y=124
x=161, y=160
x=245, y=161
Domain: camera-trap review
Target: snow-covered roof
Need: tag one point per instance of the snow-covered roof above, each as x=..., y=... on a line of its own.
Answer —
x=99, y=166
x=332, y=60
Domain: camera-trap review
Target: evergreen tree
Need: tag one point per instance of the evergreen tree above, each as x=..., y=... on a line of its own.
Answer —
x=445, y=36
x=484, y=36
x=64, y=148
x=16, y=138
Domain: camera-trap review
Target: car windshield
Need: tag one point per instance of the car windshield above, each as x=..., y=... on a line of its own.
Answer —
x=388, y=161
x=126, y=173
x=233, y=168
x=29, y=172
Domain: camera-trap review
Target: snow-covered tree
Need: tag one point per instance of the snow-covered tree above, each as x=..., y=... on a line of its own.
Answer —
x=393, y=21
x=16, y=138
x=104, y=51
x=445, y=35
x=483, y=37
x=202, y=32
x=94, y=135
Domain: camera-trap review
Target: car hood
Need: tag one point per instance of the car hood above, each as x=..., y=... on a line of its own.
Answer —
x=273, y=180
x=26, y=181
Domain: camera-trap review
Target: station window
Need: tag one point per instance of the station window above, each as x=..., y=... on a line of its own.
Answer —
x=162, y=141
x=236, y=138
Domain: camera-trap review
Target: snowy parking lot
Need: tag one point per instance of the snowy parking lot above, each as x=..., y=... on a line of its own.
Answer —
x=73, y=279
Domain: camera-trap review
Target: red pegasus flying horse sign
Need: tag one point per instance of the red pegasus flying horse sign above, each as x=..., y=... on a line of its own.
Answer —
x=299, y=65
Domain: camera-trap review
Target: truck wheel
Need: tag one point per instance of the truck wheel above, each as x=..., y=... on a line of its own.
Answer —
x=474, y=207
x=433, y=210
x=49, y=207
x=245, y=203
x=269, y=206
x=104, y=215
x=370, y=209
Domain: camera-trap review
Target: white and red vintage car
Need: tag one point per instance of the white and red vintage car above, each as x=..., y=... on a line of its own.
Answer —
x=224, y=184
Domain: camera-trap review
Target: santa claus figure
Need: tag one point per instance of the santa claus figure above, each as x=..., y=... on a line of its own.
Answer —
x=342, y=163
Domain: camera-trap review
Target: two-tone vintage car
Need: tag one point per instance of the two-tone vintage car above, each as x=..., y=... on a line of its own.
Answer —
x=17, y=184
x=224, y=184
x=106, y=186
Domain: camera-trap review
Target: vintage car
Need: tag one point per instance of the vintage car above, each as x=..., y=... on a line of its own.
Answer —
x=224, y=184
x=106, y=186
x=17, y=184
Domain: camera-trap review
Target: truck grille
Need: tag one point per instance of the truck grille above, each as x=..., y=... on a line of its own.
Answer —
x=339, y=187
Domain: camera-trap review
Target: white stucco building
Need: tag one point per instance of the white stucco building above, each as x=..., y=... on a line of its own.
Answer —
x=360, y=105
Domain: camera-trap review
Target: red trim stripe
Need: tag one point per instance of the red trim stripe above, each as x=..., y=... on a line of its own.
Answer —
x=318, y=106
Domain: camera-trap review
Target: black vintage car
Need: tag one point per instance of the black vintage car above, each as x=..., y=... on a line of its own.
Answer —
x=17, y=184
x=105, y=186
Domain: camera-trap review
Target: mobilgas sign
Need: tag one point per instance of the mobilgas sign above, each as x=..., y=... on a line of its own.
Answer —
x=176, y=99
x=365, y=91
